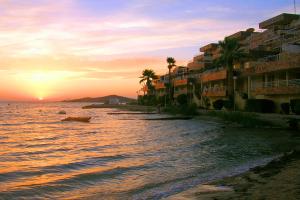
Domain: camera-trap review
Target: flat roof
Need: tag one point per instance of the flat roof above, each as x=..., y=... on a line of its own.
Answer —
x=209, y=46
x=282, y=19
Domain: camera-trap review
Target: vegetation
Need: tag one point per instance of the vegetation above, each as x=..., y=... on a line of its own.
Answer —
x=295, y=106
x=218, y=104
x=285, y=107
x=230, y=53
x=147, y=100
x=187, y=109
x=228, y=104
x=147, y=76
x=242, y=118
x=182, y=99
x=163, y=100
x=260, y=105
x=171, y=63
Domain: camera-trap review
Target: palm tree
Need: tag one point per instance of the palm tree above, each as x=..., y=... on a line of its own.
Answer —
x=230, y=53
x=147, y=76
x=171, y=63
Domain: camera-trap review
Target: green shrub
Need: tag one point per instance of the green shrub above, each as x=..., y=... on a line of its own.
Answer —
x=147, y=100
x=162, y=100
x=218, y=105
x=245, y=119
x=189, y=110
x=285, y=107
x=228, y=104
x=182, y=99
x=295, y=106
x=260, y=105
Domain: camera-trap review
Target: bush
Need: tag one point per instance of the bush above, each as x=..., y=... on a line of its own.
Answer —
x=162, y=100
x=218, y=105
x=285, y=107
x=260, y=105
x=182, y=99
x=245, y=119
x=147, y=100
x=189, y=110
x=295, y=106
x=228, y=104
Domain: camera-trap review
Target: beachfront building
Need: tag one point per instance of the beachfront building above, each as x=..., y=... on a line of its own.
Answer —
x=273, y=72
x=270, y=70
x=160, y=85
x=213, y=77
x=180, y=81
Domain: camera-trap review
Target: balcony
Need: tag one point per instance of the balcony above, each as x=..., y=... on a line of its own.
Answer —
x=286, y=61
x=180, y=91
x=195, y=65
x=277, y=87
x=209, y=47
x=180, y=82
x=214, y=92
x=214, y=75
x=159, y=85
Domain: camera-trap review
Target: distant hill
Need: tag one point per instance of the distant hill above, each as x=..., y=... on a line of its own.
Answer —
x=104, y=99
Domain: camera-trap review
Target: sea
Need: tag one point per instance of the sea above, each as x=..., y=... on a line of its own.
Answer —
x=121, y=156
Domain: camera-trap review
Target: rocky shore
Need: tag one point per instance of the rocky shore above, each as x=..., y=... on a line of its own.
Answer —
x=279, y=179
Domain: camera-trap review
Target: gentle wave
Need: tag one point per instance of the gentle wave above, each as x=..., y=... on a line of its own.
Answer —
x=120, y=157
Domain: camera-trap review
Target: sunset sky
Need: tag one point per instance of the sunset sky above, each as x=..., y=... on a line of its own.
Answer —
x=65, y=49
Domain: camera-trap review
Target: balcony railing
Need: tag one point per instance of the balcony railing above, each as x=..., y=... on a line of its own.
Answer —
x=214, y=75
x=277, y=87
x=159, y=85
x=286, y=61
x=214, y=92
x=180, y=91
x=179, y=82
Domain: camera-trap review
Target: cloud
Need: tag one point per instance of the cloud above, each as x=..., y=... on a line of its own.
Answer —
x=41, y=32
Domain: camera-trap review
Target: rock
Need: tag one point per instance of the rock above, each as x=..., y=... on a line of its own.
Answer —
x=77, y=119
x=62, y=112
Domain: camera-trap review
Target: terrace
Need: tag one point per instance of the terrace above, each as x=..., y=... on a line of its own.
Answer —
x=216, y=91
x=277, y=87
x=214, y=75
x=282, y=62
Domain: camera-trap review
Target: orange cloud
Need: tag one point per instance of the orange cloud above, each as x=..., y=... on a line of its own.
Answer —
x=82, y=55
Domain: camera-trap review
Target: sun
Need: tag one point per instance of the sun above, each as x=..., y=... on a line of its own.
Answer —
x=40, y=98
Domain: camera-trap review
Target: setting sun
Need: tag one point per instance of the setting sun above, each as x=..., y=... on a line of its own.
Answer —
x=150, y=99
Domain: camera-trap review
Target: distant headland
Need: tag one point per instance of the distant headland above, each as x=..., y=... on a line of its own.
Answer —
x=110, y=99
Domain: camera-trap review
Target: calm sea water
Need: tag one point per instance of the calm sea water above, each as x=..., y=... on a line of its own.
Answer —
x=119, y=156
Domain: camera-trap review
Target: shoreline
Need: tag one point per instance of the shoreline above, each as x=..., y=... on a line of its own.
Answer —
x=279, y=179
x=233, y=118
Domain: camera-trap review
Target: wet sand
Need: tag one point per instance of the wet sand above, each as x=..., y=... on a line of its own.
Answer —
x=279, y=179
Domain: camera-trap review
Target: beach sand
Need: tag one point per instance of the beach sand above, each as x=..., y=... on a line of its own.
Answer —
x=279, y=179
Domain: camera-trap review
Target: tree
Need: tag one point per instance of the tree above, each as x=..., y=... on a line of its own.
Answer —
x=171, y=63
x=147, y=76
x=230, y=53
